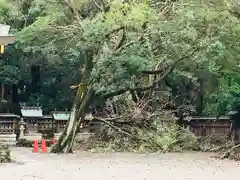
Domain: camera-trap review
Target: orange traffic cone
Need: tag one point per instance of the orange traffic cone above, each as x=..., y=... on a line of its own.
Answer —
x=44, y=147
x=35, y=146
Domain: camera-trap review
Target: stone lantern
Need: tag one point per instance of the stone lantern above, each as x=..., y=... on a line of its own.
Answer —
x=22, y=128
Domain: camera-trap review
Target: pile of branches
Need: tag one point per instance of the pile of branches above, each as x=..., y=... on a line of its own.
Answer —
x=213, y=144
x=5, y=154
x=147, y=126
x=223, y=146
x=139, y=127
x=232, y=153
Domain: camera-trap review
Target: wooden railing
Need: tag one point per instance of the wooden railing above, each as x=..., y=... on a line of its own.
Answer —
x=8, y=123
x=46, y=125
x=7, y=127
x=210, y=126
x=200, y=126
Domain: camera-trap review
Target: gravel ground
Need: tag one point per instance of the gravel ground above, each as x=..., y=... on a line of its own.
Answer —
x=119, y=166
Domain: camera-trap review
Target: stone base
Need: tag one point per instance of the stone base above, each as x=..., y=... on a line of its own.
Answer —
x=83, y=136
x=8, y=139
x=57, y=135
x=79, y=137
x=38, y=136
x=32, y=136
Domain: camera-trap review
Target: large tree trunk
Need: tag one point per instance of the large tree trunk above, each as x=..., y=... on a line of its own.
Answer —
x=81, y=105
x=200, y=98
x=80, y=108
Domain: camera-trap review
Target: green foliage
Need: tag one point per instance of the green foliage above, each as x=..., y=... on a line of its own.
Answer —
x=9, y=74
x=161, y=137
x=133, y=56
x=18, y=59
x=126, y=39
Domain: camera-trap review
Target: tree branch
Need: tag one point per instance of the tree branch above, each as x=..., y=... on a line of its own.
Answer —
x=100, y=6
x=120, y=40
x=227, y=154
x=105, y=121
x=145, y=88
x=122, y=46
x=139, y=89
x=158, y=71
x=113, y=31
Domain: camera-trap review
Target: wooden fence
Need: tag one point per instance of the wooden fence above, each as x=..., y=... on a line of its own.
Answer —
x=200, y=126
x=209, y=126
x=8, y=123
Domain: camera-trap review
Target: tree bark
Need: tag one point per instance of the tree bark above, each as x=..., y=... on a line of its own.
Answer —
x=80, y=108
x=82, y=102
x=2, y=90
x=200, y=98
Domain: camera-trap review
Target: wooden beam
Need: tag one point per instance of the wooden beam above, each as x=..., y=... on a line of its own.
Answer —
x=5, y=40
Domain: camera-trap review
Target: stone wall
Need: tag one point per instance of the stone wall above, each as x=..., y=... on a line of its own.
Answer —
x=8, y=139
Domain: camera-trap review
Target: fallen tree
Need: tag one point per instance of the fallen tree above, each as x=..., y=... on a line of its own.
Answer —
x=85, y=98
x=140, y=128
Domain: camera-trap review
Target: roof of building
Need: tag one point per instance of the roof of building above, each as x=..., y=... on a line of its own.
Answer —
x=207, y=118
x=231, y=113
x=31, y=112
x=5, y=38
x=9, y=115
x=47, y=117
x=61, y=116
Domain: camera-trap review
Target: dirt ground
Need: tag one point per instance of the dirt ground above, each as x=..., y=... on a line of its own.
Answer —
x=119, y=166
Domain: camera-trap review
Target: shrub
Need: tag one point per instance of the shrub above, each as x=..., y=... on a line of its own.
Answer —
x=5, y=154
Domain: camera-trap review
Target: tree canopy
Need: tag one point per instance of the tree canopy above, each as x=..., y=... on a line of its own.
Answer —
x=130, y=40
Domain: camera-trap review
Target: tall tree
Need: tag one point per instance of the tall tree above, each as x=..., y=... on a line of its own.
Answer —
x=18, y=61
